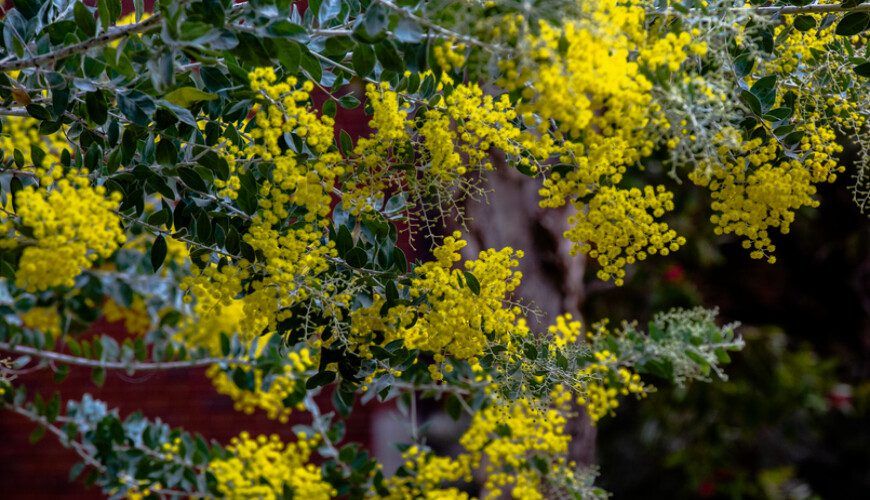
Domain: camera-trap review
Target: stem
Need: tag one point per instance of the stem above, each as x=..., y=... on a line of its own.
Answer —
x=811, y=9
x=116, y=365
x=440, y=29
x=110, y=35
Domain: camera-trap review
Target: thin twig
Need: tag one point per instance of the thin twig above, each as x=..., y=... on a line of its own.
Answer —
x=110, y=35
x=117, y=365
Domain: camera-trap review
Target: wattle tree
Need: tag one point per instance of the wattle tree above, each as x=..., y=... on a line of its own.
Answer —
x=180, y=169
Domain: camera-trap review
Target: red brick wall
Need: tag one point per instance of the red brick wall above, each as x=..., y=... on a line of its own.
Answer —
x=183, y=398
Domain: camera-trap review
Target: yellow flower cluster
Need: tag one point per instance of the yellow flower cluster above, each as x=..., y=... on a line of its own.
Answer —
x=449, y=55
x=455, y=319
x=426, y=472
x=390, y=140
x=754, y=189
x=795, y=49
x=288, y=230
x=171, y=448
x=43, y=319
x=618, y=227
x=505, y=438
x=136, y=319
x=213, y=316
x=670, y=52
x=606, y=382
x=585, y=78
x=565, y=331
x=502, y=441
x=73, y=225
x=444, y=161
x=272, y=399
x=581, y=75
x=262, y=467
x=22, y=133
x=482, y=122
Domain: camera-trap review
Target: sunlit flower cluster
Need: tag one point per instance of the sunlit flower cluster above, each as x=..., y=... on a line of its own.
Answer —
x=605, y=383
x=44, y=319
x=70, y=224
x=136, y=319
x=264, y=467
x=619, y=227
x=755, y=189
x=505, y=438
x=456, y=315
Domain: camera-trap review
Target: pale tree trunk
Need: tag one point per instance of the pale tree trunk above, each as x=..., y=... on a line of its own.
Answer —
x=552, y=278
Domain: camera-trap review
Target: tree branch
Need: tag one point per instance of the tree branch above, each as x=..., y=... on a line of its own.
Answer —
x=117, y=365
x=811, y=9
x=110, y=35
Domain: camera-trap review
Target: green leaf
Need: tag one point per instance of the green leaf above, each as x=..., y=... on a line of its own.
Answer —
x=84, y=19
x=329, y=108
x=765, y=90
x=285, y=28
x=167, y=153
x=136, y=106
x=348, y=101
x=863, y=69
x=346, y=142
x=105, y=12
x=778, y=114
x=329, y=9
x=290, y=56
x=217, y=164
x=472, y=282
x=191, y=179
x=98, y=109
x=751, y=101
x=372, y=27
x=743, y=65
x=186, y=96
x=158, y=252
x=389, y=57
x=98, y=376
x=408, y=31
x=357, y=257
x=804, y=23
x=363, y=60
x=853, y=23
x=319, y=380
x=36, y=435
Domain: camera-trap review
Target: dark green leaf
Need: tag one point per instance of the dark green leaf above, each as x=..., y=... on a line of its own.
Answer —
x=804, y=23
x=472, y=282
x=751, y=100
x=319, y=380
x=84, y=19
x=863, y=69
x=363, y=60
x=158, y=252
x=853, y=23
x=389, y=57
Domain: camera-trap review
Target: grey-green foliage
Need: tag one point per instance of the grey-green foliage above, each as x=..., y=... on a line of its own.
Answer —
x=681, y=345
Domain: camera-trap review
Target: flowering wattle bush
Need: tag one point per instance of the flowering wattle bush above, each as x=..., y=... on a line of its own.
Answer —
x=182, y=171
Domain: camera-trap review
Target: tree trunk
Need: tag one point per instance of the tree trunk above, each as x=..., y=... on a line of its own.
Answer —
x=552, y=278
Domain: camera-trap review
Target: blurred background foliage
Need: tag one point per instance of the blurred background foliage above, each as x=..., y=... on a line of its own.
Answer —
x=791, y=422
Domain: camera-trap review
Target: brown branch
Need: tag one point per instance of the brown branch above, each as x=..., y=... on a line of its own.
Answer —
x=110, y=35
x=117, y=365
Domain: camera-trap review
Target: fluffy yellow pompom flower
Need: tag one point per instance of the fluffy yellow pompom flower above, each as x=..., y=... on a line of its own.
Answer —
x=457, y=315
x=262, y=467
x=619, y=227
x=73, y=225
